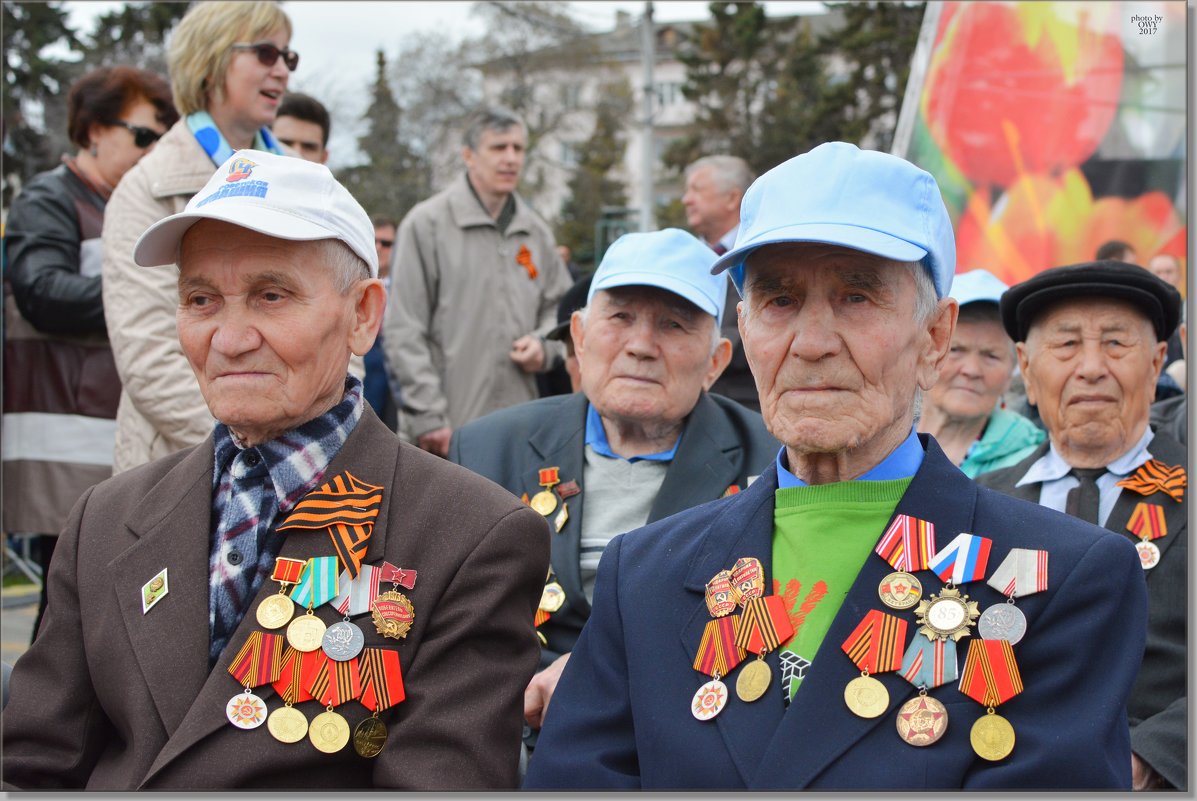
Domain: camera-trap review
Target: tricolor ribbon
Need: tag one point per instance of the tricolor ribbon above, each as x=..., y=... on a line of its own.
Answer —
x=908, y=544
x=356, y=594
x=718, y=652
x=337, y=682
x=347, y=507
x=963, y=560
x=1023, y=572
x=877, y=643
x=259, y=660
x=990, y=672
x=298, y=671
x=930, y=663
x=1155, y=476
x=287, y=571
x=764, y=625
x=382, y=680
x=318, y=584
x=1147, y=521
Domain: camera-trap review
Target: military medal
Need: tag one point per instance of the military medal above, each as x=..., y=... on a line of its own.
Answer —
x=287, y=724
x=246, y=710
x=306, y=632
x=876, y=645
x=922, y=720
x=334, y=684
x=346, y=506
x=342, y=640
x=946, y=615
x=764, y=626
x=900, y=590
x=709, y=699
x=154, y=591
x=1022, y=572
x=393, y=614
x=1147, y=523
x=748, y=578
x=545, y=501
x=721, y=594
x=963, y=560
x=382, y=688
x=329, y=731
x=718, y=655
x=276, y=610
x=566, y=490
x=991, y=678
x=258, y=662
x=928, y=663
x=908, y=545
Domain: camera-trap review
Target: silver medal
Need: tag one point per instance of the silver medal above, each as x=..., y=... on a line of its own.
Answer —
x=343, y=641
x=1002, y=622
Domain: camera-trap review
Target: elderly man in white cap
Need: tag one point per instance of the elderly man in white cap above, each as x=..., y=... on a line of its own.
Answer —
x=885, y=623
x=301, y=568
x=642, y=440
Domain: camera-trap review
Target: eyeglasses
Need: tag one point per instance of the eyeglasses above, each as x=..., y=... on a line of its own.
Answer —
x=142, y=137
x=384, y=243
x=268, y=54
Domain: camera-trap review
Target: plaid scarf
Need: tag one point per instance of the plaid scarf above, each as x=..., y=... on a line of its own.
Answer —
x=251, y=487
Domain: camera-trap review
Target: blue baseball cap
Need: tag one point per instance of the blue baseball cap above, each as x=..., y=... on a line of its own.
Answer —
x=670, y=259
x=978, y=286
x=838, y=194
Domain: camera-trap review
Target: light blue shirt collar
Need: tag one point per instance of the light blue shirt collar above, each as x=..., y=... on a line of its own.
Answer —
x=596, y=437
x=903, y=462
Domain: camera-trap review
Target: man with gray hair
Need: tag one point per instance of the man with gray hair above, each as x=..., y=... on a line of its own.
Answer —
x=476, y=280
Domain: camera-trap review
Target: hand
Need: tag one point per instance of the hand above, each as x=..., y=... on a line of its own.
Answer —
x=540, y=690
x=528, y=353
x=1143, y=776
x=436, y=441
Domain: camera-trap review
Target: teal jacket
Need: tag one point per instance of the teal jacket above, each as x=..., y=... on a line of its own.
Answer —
x=1008, y=439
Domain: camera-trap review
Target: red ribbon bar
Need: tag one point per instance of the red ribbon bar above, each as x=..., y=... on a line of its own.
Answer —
x=259, y=660
x=718, y=650
x=1147, y=521
x=382, y=680
x=990, y=674
x=297, y=665
x=548, y=476
x=287, y=571
x=764, y=625
x=397, y=575
x=337, y=682
x=908, y=544
x=878, y=643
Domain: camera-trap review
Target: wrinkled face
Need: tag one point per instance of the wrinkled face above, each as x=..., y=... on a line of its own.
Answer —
x=264, y=328
x=1166, y=268
x=116, y=151
x=711, y=211
x=976, y=372
x=303, y=136
x=252, y=91
x=644, y=354
x=494, y=168
x=1091, y=365
x=831, y=336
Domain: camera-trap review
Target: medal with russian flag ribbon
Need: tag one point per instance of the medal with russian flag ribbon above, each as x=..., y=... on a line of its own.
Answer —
x=717, y=656
x=764, y=626
x=876, y=645
x=907, y=545
x=334, y=684
x=991, y=678
x=1147, y=523
x=927, y=664
x=382, y=688
x=287, y=724
x=963, y=560
x=258, y=662
x=276, y=610
x=1023, y=572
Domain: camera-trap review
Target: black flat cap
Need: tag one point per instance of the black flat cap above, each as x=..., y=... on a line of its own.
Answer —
x=573, y=299
x=1157, y=299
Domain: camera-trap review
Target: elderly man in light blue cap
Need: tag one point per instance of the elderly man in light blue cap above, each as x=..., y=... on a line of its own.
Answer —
x=643, y=439
x=964, y=411
x=853, y=653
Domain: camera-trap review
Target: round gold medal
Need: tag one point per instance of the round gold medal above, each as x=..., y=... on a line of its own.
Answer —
x=922, y=720
x=900, y=590
x=287, y=724
x=275, y=611
x=305, y=633
x=754, y=680
x=948, y=615
x=866, y=697
x=992, y=737
x=544, y=502
x=552, y=598
x=329, y=732
x=369, y=737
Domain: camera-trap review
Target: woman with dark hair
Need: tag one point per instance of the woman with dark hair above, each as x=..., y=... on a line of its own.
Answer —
x=60, y=382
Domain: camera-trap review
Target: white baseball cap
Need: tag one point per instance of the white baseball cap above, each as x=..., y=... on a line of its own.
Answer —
x=280, y=196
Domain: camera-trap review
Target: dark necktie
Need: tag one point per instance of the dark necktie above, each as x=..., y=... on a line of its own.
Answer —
x=1083, y=501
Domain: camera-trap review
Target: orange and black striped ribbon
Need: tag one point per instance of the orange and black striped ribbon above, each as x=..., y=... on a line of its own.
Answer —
x=990, y=674
x=1155, y=476
x=540, y=618
x=718, y=652
x=347, y=507
x=878, y=643
x=337, y=682
x=297, y=665
x=382, y=680
x=259, y=660
x=764, y=625
x=1147, y=521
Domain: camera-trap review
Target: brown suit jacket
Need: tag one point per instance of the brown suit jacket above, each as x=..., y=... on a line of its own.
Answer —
x=109, y=698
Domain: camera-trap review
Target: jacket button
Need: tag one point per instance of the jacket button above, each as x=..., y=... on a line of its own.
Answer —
x=235, y=557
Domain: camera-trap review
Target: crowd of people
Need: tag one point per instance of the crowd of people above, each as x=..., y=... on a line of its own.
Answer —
x=327, y=499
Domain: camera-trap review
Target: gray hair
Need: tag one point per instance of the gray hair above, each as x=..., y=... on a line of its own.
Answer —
x=348, y=267
x=491, y=118
x=728, y=172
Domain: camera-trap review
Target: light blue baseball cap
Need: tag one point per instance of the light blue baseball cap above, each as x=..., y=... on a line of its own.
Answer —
x=978, y=286
x=670, y=259
x=838, y=194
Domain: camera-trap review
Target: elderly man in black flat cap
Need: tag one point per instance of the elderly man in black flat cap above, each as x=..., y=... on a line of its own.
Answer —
x=1091, y=342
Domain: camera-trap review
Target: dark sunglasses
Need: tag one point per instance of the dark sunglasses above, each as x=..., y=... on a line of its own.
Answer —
x=142, y=137
x=386, y=243
x=268, y=54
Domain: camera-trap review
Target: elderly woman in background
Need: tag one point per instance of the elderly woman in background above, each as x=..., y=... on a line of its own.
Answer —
x=60, y=383
x=229, y=66
x=963, y=411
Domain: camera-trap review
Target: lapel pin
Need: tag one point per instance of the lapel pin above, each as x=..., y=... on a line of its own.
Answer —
x=154, y=590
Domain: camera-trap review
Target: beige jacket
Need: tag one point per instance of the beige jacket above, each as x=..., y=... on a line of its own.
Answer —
x=161, y=408
x=460, y=298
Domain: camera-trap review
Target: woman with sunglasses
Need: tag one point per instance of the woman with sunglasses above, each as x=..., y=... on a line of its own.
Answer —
x=229, y=66
x=61, y=386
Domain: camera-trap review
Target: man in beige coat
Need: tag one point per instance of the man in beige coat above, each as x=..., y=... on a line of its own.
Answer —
x=476, y=283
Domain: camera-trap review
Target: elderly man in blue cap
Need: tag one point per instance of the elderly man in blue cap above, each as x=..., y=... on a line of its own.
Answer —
x=863, y=616
x=642, y=440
